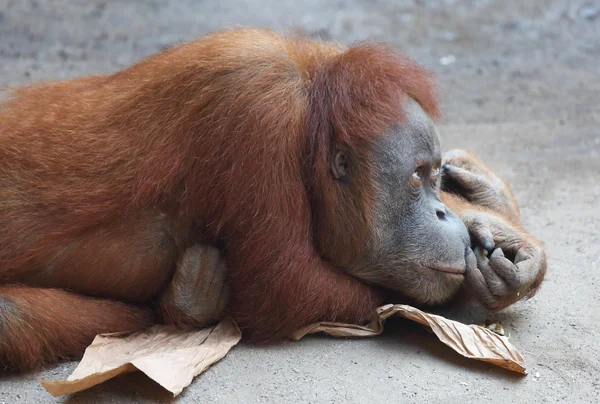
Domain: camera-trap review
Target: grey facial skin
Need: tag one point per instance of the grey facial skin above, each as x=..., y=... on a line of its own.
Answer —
x=418, y=244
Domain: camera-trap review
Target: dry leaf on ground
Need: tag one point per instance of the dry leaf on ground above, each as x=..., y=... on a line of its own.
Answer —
x=471, y=341
x=172, y=357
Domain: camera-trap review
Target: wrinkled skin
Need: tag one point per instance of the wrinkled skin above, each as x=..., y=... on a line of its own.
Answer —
x=469, y=177
x=508, y=264
x=419, y=244
x=426, y=244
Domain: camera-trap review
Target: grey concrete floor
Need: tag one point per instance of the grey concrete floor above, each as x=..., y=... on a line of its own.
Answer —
x=521, y=87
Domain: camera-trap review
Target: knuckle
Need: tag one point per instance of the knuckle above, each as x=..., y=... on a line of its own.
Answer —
x=483, y=183
x=477, y=221
x=498, y=290
x=519, y=281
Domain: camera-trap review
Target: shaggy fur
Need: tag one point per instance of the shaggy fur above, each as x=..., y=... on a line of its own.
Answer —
x=106, y=180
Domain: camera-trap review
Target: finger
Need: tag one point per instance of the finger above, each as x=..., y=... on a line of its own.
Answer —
x=521, y=255
x=465, y=179
x=458, y=157
x=527, y=266
x=494, y=282
x=481, y=234
x=505, y=269
x=476, y=283
x=475, y=280
x=470, y=259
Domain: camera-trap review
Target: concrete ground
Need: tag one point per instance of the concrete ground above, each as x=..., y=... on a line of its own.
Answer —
x=521, y=87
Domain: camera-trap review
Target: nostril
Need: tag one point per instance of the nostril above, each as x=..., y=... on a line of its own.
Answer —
x=441, y=214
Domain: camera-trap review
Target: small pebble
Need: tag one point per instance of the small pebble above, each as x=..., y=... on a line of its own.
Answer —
x=447, y=60
x=496, y=328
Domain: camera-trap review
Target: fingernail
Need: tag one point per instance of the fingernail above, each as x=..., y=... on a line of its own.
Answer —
x=498, y=252
x=489, y=245
x=468, y=251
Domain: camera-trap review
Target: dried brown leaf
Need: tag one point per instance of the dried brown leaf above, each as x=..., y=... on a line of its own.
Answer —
x=173, y=357
x=170, y=356
x=471, y=341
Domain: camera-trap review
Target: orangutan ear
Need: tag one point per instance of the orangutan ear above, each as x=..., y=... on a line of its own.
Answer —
x=340, y=164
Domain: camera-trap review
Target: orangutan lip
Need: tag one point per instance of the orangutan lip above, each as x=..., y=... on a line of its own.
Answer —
x=450, y=270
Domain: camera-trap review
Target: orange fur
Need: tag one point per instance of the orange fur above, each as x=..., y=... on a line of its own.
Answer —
x=225, y=140
x=39, y=326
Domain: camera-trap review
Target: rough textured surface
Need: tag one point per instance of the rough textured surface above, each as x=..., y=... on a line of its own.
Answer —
x=520, y=88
